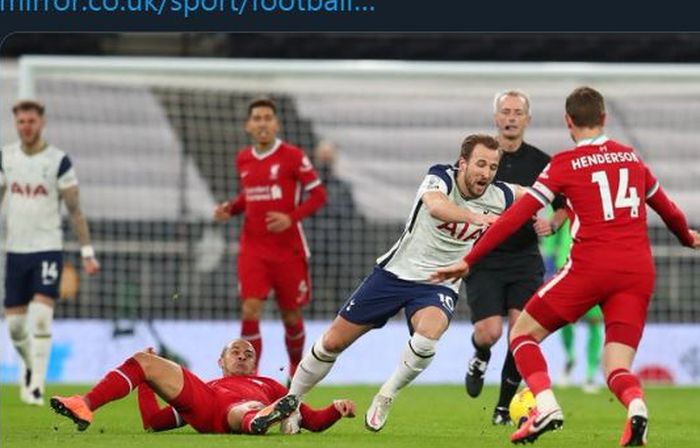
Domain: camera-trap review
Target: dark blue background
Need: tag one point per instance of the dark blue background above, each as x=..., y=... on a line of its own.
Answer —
x=395, y=15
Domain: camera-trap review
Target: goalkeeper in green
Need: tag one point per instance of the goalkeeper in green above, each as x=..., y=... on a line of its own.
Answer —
x=555, y=250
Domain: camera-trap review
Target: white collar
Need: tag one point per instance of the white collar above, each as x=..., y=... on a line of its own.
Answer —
x=267, y=153
x=597, y=140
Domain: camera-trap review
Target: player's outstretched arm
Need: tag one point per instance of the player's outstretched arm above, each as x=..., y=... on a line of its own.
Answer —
x=317, y=420
x=71, y=196
x=673, y=217
x=508, y=223
x=440, y=207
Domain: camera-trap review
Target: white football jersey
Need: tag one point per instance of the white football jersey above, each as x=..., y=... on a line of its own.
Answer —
x=32, y=197
x=428, y=243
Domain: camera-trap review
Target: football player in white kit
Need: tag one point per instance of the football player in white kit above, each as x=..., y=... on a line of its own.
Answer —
x=453, y=206
x=34, y=177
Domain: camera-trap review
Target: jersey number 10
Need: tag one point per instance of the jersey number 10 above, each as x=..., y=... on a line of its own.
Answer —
x=626, y=196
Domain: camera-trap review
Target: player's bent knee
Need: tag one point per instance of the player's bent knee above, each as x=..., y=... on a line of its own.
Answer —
x=291, y=317
x=623, y=333
x=147, y=361
x=333, y=343
x=251, y=309
x=431, y=322
x=488, y=335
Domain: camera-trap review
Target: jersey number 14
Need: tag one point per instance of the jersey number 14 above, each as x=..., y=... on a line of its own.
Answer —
x=626, y=196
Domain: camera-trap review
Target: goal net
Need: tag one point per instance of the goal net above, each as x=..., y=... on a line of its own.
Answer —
x=154, y=142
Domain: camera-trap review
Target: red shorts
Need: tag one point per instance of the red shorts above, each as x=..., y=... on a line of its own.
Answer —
x=200, y=407
x=623, y=297
x=289, y=279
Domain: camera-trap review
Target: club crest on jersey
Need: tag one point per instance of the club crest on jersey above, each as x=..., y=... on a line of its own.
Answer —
x=29, y=190
x=274, y=171
x=433, y=183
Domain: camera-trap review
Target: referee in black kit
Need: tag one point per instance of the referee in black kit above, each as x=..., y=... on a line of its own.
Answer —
x=503, y=282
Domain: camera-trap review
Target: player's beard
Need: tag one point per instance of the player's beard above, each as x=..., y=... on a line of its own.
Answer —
x=474, y=189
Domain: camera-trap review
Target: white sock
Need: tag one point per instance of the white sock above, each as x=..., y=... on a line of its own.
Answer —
x=546, y=401
x=415, y=357
x=637, y=407
x=19, y=333
x=312, y=369
x=40, y=317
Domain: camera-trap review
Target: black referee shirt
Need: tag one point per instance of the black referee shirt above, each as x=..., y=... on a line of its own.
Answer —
x=520, y=167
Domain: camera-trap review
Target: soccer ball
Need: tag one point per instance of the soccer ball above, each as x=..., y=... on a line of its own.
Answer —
x=520, y=406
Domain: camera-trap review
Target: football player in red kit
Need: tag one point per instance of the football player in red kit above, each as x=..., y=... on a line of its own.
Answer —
x=238, y=402
x=607, y=187
x=273, y=251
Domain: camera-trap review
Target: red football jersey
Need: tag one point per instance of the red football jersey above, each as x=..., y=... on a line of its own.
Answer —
x=606, y=185
x=274, y=181
x=234, y=389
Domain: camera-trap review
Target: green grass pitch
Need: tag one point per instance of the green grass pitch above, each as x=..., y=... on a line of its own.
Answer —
x=422, y=416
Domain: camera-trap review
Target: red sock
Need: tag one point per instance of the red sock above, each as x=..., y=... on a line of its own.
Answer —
x=625, y=385
x=116, y=384
x=294, y=337
x=250, y=331
x=531, y=364
x=152, y=416
x=318, y=420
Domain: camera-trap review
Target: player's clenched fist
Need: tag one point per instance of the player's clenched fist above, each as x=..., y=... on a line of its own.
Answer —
x=345, y=407
x=221, y=212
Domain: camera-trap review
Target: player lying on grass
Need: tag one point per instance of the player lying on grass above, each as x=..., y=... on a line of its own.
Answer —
x=452, y=207
x=238, y=402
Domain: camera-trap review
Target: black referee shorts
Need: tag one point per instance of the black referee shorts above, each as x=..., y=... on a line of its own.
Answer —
x=492, y=292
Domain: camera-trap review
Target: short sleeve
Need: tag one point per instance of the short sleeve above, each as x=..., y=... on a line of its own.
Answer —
x=508, y=192
x=439, y=178
x=66, y=174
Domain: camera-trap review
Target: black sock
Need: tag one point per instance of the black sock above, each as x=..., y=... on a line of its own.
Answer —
x=482, y=353
x=510, y=380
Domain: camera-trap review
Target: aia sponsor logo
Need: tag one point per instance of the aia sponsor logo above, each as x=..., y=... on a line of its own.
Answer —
x=461, y=231
x=29, y=190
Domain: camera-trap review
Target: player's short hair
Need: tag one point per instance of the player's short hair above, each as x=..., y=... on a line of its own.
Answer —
x=512, y=92
x=472, y=140
x=586, y=107
x=230, y=343
x=262, y=102
x=27, y=105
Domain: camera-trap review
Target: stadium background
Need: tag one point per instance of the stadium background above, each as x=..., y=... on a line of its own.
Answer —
x=154, y=150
